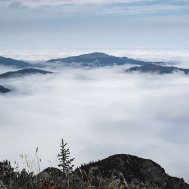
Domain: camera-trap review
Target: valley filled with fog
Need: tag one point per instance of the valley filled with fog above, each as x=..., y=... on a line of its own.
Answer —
x=99, y=112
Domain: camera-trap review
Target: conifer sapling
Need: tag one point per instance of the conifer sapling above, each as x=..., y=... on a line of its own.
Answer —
x=65, y=164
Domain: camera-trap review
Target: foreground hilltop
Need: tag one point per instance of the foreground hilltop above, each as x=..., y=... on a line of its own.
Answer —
x=117, y=172
x=134, y=172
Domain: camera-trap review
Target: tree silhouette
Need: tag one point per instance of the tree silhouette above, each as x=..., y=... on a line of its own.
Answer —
x=65, y=164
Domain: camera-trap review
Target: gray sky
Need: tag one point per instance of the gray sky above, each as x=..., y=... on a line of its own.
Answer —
x=94, y=24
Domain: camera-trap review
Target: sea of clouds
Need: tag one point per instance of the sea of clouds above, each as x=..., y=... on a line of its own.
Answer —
x=99, y=112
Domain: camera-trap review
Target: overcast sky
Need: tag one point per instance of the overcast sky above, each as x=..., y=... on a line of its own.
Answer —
x=94, y=24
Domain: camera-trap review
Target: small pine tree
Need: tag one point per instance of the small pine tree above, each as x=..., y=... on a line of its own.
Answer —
x=65, y=161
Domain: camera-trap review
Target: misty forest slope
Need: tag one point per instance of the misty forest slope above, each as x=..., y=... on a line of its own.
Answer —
x=152, y=68
x=23, y=72
x=20, y=73
x=4, y=89
x=13, y=62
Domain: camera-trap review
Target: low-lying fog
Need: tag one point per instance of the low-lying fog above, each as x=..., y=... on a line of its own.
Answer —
x=99, y=112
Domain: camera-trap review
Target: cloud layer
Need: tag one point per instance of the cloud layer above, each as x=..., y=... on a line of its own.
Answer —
x=98, y=112
x=34, y=3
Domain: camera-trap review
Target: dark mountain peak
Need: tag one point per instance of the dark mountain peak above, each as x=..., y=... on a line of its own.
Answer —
x=84, y=58
x=153, y=68
x=95, y=55
x=133, y=172
x=23, y=72
x=97, y=59
x=12, y=62
x=121, y=162
x=3, y=89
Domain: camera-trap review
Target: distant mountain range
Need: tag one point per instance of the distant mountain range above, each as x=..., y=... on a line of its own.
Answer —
x=98, y=59
x=152, y=68
x=23, y=72
x=4, y=90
